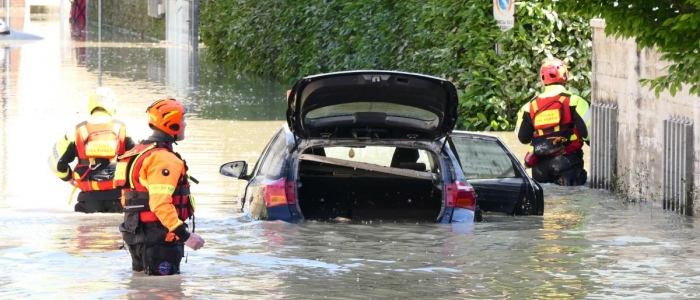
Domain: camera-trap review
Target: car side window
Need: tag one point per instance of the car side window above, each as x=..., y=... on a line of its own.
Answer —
x=264, y=154
x=271, y=166
x=483, y=159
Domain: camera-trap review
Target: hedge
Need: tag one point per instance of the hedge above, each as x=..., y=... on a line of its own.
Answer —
x=456, y=40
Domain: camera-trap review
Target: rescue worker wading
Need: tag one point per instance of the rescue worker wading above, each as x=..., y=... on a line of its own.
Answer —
x=556, y=124
x=96, y=143
x=156, y=194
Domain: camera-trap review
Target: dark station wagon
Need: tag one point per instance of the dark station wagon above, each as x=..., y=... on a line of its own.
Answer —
x=380, y=145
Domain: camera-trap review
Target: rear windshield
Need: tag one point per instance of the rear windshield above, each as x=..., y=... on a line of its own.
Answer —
x=390, y=109
x=383, y=156
x=483, y=159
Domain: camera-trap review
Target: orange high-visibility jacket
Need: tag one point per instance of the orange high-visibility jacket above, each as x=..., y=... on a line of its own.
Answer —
x=156, y=185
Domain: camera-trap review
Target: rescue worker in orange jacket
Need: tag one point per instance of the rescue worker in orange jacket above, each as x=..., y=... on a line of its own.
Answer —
x=96, y=143
x=156, y=195
x=556, y=124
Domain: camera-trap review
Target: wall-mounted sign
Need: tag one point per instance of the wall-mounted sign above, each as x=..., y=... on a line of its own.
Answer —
x=503, y=11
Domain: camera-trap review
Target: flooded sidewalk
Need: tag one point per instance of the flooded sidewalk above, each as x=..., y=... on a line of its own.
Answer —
x=587, y=245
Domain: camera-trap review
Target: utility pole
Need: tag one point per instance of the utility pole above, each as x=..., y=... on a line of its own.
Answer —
x=7, y=13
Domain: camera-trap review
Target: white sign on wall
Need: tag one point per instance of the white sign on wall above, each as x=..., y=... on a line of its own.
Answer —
x=503, y=11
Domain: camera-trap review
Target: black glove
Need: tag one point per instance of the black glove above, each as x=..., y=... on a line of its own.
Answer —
x=69, y=174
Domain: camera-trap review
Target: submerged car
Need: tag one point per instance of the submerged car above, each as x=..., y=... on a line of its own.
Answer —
x=380, y=145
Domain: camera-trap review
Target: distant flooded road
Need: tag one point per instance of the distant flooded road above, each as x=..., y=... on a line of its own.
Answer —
x=586, y=246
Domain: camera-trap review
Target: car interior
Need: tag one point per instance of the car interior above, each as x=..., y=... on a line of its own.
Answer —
x=386, y=184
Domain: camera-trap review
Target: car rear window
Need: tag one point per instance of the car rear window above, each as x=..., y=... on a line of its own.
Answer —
x=382, y=156
x=390, y=109
x=483, y=159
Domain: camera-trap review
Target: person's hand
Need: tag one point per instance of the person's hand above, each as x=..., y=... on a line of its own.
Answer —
x=194, y=242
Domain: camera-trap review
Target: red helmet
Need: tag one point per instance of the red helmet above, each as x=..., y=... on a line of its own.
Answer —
x=166, y=115
x=554, y=71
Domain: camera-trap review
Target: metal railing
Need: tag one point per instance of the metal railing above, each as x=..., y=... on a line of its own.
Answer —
x=677, y=165
x=603, y=145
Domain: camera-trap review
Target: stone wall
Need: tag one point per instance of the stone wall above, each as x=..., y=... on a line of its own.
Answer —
x=618, y=65
x=128, y=15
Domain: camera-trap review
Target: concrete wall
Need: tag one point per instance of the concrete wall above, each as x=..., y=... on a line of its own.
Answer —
x=617, y=67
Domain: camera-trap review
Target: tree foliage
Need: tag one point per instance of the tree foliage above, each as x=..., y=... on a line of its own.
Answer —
x=451, y=39
x=670, y=26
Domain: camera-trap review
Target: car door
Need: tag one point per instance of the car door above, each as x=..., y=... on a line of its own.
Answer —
x=500, y=181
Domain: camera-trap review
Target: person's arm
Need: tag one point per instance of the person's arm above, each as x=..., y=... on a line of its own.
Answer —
x=581, y=113
x=526, y=130
x=161, y=171
x=62, y=154
x=161, y=185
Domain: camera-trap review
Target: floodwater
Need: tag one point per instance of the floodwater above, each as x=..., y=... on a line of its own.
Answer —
x=586, y=246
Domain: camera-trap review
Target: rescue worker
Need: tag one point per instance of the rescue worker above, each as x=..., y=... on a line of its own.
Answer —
x=556, y=124
x=96, y=143
x=156, y=195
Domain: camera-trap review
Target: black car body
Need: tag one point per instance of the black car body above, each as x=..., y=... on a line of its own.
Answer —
x=366, y=145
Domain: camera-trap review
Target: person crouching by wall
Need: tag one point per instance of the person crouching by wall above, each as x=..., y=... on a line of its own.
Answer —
x=556, y=124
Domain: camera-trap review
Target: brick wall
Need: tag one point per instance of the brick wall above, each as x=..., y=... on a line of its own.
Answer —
x=618, y=65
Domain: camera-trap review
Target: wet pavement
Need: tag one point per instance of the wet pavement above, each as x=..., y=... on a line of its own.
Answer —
x=588, y=245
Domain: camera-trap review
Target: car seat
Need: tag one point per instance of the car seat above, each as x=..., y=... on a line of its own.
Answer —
x=315, y=151
x=406, y=158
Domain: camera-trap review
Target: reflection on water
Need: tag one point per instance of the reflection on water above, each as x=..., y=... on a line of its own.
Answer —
x=587, y=245
x=220, y=92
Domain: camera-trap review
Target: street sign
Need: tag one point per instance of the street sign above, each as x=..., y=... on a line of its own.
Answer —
x=503, y=11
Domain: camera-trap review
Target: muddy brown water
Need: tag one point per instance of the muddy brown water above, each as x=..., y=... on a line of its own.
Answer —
x=587, y=245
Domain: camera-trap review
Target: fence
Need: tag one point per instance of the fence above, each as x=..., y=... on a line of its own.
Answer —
x=677, y=165
x=603, y=145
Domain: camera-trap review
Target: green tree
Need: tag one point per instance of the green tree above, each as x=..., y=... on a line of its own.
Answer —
x=670, y=26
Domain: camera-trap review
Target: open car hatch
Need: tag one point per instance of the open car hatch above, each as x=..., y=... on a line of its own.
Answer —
x=372, y=105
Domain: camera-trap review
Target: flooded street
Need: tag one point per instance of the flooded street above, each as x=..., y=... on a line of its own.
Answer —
x=586, y=246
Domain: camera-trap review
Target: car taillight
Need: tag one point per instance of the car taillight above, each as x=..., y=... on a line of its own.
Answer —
x=289, y=191
x=460, y=195
x=279, y=192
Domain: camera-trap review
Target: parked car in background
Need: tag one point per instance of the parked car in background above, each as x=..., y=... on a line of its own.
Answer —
x=368, y=145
